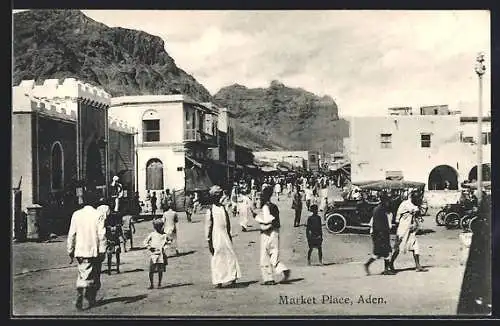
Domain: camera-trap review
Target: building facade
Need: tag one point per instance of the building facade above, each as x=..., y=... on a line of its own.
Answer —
x=427, y=148
x=310, y=158
x=61, y=142
x=181, y=144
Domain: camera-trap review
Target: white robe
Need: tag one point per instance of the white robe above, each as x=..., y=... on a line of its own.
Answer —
x=224, y=264
x=408, y=236
x=245, y=210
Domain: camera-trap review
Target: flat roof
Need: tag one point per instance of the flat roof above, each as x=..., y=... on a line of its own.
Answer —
x=474, y=119
x=150, y=99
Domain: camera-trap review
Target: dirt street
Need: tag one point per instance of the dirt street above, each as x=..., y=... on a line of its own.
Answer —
x=44, y=282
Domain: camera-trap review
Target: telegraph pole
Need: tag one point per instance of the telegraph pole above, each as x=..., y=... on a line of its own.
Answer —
x=480, y=70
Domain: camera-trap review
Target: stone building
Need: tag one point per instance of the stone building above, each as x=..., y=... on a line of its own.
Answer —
x=62, y=140
x=181, y=145
x=435, y=147
x=310, y=158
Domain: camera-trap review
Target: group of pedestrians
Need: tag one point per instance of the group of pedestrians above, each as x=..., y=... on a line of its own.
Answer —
x=96, y=231
x=225, y=269
x=408, y=216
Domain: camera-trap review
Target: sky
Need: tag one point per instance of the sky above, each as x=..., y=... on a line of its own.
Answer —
x=367, y=61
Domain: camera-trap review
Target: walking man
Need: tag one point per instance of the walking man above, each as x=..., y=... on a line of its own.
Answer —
x=189, y=206
x=269, y=221
x=380, y=233
x=297, y=206
x=116, y=193
x=224, y=265
x=409, y=220
x=170, y=220
x=87, y=243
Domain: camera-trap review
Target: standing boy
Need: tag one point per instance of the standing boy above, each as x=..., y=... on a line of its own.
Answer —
x=314, y=233
x=128, y=228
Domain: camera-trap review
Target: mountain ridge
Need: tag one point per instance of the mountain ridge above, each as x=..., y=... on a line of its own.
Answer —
x=67, y=43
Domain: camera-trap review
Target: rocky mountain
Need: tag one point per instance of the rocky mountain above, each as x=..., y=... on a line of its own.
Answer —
x=66, y=43
x=292, y=118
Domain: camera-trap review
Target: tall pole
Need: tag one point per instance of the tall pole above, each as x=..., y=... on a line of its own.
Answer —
x=480, y=70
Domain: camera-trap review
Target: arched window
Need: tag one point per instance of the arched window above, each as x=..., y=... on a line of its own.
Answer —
x=57, y=167
x=154, y=174
x=443, y=177
x=150, y=126
x=486, y=172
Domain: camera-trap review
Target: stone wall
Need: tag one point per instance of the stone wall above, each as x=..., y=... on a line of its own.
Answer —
x=439, y=198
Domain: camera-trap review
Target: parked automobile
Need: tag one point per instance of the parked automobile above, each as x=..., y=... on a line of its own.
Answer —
x=357, y=207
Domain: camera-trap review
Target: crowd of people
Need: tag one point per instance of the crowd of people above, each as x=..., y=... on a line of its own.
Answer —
x=99, y=229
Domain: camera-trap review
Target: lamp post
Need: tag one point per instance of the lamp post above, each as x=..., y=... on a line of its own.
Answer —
x=480, y=70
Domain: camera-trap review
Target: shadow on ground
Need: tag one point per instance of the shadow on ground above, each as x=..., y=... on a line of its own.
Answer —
x=134, y=270
x=136, y=249
x=246, y=284
x=293, y=280
x=121, y=299
x=175, y=285
x=183, y=254
x=425, y=231
x=411, y=268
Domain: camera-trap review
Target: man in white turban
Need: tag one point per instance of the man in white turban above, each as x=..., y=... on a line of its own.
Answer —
x=224, y=264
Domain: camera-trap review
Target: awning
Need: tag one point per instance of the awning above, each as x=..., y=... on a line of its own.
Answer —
x=268, y=169
x=197, y=180
x=195, y=162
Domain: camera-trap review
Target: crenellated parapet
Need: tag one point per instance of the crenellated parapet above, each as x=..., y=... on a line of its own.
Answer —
x=65, y=110
x=64, y=90
x=120, y=126
x=61, y=110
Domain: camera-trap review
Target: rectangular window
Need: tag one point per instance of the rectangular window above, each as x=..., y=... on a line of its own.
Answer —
x=486, y=138
x=468, y=139
x=151, y=130
x=386, y=140
x=425, y=140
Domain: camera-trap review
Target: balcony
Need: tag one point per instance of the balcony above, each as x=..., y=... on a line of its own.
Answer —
x=194, y=135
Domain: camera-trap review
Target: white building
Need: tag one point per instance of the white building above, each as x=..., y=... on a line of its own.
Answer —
x=426, y=148
x=178, y=140
x=311, y=158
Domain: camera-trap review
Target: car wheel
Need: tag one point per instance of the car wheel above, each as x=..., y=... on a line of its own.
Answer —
x=440, y=218
x=464, y=222
x=336, y=223
x=452, y=221
x=471, y=225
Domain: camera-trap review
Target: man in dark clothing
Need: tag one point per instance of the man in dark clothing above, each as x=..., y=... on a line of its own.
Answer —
x=314, y=233
x=380, y=232
x=297, y=206
x=475, y=295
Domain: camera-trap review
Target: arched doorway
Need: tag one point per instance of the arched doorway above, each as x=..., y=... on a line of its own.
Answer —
x=486, y=173
x=57, y=167
x=94, y=173
x=443, y=177
x=154, y=174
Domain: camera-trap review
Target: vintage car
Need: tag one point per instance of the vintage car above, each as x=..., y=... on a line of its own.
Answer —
x=357, y=207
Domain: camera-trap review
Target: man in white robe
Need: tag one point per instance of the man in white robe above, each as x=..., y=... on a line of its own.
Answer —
x=409, y=220
x=246, y=211
x=269, y=241
x=87, y=243
x=224, y=264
